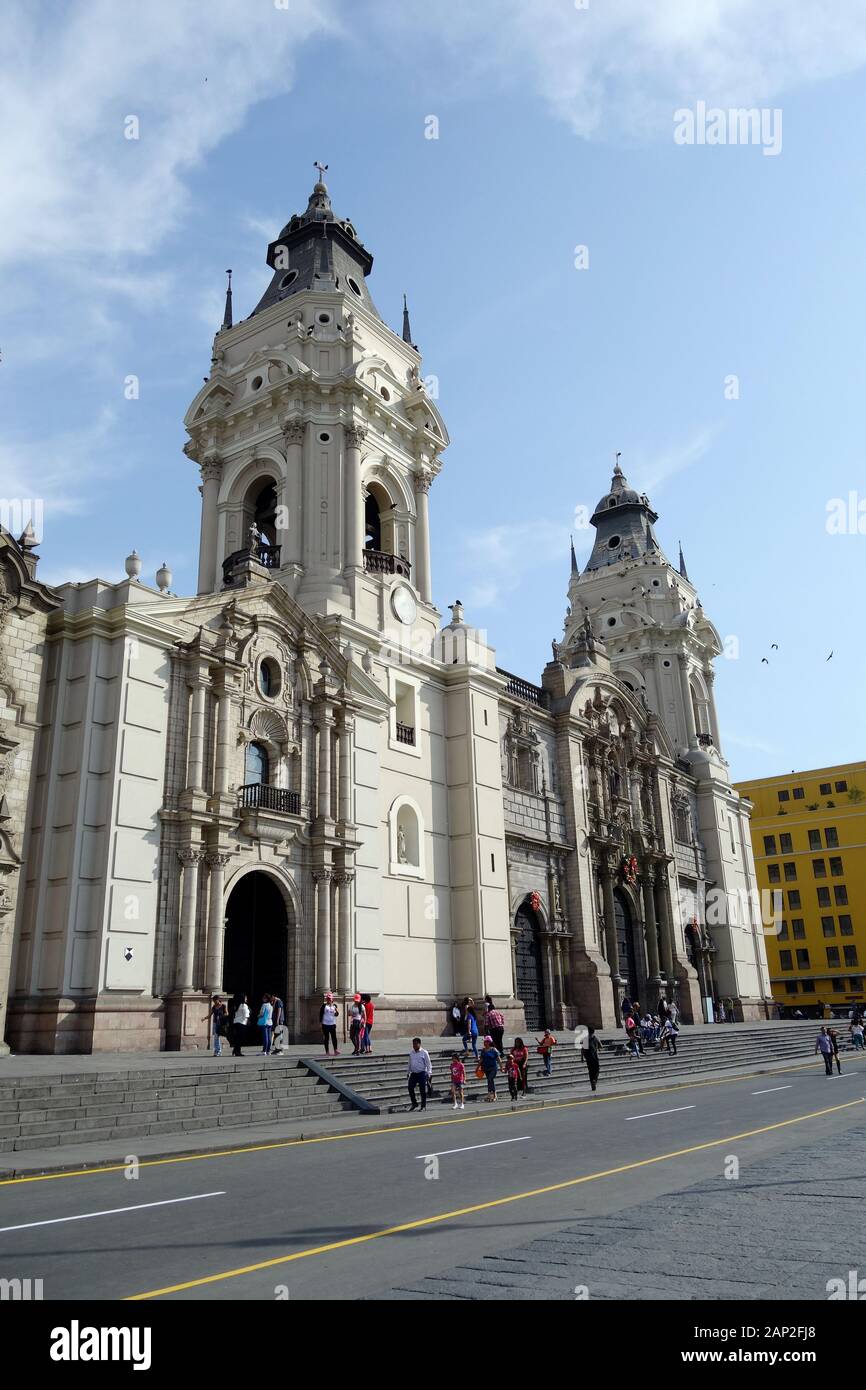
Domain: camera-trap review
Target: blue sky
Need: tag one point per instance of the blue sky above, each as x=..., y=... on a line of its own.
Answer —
x=555, y=130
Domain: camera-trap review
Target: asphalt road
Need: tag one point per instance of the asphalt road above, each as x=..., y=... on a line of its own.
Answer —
x=315, y=1219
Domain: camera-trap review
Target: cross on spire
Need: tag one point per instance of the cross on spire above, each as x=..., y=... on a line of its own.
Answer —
x=322, y=168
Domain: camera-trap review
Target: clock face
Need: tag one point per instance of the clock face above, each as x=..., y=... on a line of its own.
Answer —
x=403, y=604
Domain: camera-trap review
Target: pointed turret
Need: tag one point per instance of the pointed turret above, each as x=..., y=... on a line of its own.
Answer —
x=227, y=316
x=623, y=520
x=407, y=331
x=573, y=579
x=683, y=571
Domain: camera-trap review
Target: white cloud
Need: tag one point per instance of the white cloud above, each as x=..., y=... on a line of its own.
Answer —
x=53, y=468
x=498, y=559
x=648, y=471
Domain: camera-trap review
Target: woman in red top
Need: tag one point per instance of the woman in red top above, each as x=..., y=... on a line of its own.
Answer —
x=520, y=1056
x=369, y=1010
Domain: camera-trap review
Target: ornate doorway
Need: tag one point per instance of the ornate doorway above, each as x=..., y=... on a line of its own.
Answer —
x=529, y=984
x=256, y=951
x=632, y=982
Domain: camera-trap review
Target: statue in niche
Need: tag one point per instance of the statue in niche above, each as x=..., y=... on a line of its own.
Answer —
x=402, y=854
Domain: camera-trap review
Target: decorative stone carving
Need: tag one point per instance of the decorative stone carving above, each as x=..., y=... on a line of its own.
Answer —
x=355, y=436
x=293, y=431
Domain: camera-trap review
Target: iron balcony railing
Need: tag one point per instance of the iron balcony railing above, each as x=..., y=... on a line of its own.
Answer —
x=258, y=796
x=266, y=555
x=405, y=734
x=525, y=690
x=377, y=562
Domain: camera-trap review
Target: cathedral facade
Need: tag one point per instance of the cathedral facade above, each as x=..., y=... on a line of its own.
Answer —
x=299, y=779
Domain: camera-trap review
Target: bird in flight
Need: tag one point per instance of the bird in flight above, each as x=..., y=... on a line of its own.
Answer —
x=764, y=661
x=774, y=646
x=828, y=658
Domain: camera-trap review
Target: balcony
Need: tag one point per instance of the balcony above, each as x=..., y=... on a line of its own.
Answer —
x=377, y=562
x=255, y=796
x=240, y=563
x=405, y=734
x=525, y=690
x=705, y=740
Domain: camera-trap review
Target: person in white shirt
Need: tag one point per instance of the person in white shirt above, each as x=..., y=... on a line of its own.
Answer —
x=239, y=1023
x=328, y=1015
x=265, y=1021
x=419, y=1073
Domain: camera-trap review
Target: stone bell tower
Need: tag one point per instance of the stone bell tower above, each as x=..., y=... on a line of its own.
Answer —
x=317, y=439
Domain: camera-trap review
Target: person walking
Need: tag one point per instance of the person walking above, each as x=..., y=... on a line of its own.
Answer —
x=356, y=1027
x=218, y=1015
x=419, y=1073
x=632, y=1036
x=239, y=1023
x=824, y=1045
x=834, y=1038
x=856, y=1031
x=590, y=1053
x=520, y=1054
x=669, y=1037
x=328, y=1015
x=495, y=1025
x=458, y=1081
x=470, y=1029
x=279, y=1036
x=369, y=1014
x=265, y=1021
x=457, y=1019
x=545, y=1047
x=490, y=1063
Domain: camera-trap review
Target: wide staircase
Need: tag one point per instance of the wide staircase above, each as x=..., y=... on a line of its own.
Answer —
x=42, y=1111
x=381, y=1078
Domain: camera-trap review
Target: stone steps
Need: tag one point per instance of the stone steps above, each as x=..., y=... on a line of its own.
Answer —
x=381, y=1079
x=42, y=1112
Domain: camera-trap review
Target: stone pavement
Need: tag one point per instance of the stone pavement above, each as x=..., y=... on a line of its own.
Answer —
x=782, y=1230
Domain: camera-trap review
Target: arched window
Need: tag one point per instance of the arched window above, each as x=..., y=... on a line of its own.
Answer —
x=407, y=838
x=372, y=524
x=256, y=767
x=260, y=510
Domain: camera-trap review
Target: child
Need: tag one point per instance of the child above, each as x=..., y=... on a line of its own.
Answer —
x=490, y=1062
x=512, y=1072
x=458, y=1077
x=545, y=1047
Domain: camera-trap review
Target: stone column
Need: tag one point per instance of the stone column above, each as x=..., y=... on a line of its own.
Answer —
x=215, y=922
x=347, y=725
x=663, y=915
x=195, y=754
x=560, y=988
x=324, y=723
x=691, y=731
x=611, y=948
x=291, y=538
x=653, y=693
x=223, y=743
x=422, y=535
x=211, y=474
x=345, y=878
x=190, y=858
x=710, y=676
x=650, y=928
x=548, y=970
x=322, y=879
x=353, y=512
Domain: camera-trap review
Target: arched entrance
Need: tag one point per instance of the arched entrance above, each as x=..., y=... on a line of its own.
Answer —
x=256, y=951
x=628, y=967
x=529, y=984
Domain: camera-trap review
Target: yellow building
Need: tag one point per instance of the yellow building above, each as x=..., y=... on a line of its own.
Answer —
x=809, y=842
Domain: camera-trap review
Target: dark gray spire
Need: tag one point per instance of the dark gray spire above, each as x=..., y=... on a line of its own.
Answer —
x=574, y=568
x=623, y=520
x=227, y=316
x=683, y=571
x=407, y=331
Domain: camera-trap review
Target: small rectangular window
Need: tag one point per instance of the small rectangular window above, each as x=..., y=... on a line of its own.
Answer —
x=485, y=718
x=824, y=789
x=807, y=986
x=798, y=793
x=823, y=897
x=836, y=866
x=856, y=984
x=782, y=933
x=851, y=955
x=784, y=796
x=838, y=986
x=770, y=844
x=814, y=839
x=790, y=986
x=493, y=862
x=819, y=868
x=798, y=928
x=846, y=926
x=833, y=955
x=773, y=873
x=794, y=898
x=828, y=926
x=840, y=894
x=831, y=837
x=841, y=786
x=803, y=960
x=785, y=844
x=790, y=873
x=785, y=962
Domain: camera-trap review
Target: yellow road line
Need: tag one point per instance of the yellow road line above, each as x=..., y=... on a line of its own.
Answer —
x=479, y=1206
x=395, y=1129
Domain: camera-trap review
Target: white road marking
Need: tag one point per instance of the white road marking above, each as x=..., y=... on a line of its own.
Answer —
x=773, y=1088
x=653, y=1113
x=470, y=1147
x=113, y=1211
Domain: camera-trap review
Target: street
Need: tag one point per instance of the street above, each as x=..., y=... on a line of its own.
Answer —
x=316, y=1219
